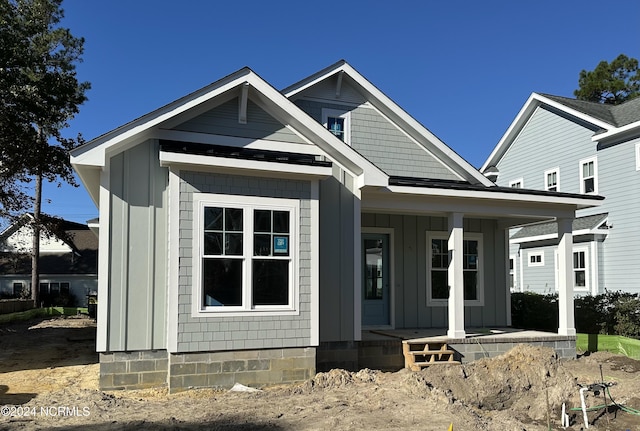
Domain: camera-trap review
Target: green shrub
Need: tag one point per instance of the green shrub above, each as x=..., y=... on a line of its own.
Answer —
x=610, y=313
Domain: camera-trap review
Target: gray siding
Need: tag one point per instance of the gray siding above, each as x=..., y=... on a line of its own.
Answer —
x=620, y=183
x=383, y=143
x=410, y=272
x=551, y=140
x=201, y=334
x=223, y=120
x=547, y=141
x=539, y=279
x=138, y=251
x=336, y=261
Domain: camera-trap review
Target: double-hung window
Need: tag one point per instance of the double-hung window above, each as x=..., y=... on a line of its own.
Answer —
x=552, y=180
x=517, y=184
x=580, y=269
x=438, y=264
x=245, y=253
x=589, y=176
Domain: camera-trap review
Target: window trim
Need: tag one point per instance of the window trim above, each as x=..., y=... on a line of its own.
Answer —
x=638, y=156
x=546, y=176
x=535, y=253
x=250, y=203
x=513, y=183
x=595, y=175
x=587, y=261
x=475, y=236
x=337, y=113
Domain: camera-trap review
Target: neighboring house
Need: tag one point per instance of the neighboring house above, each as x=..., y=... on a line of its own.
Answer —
x=251, y=235
x=68, y=263
x=567, y=145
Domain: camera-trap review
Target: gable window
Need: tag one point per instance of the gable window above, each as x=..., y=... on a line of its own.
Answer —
x=536, y=258
x=338, y=123
x=588, y=176
x=438, y=264
x=517, y=184
x=246, y=253
x=580, y=269
x=552, y=180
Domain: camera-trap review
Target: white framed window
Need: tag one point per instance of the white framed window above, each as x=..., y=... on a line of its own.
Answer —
x=581, y=268
x=338, y=122
x=552, y=180
x=589, y=176
x=638, y=156
x=244, y=255
x=438, y=265
x=535, y=258
x=517, y=184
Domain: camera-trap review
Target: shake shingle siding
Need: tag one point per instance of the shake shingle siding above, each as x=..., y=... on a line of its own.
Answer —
x=383, y=143
x=223, y=120
x=248, y=332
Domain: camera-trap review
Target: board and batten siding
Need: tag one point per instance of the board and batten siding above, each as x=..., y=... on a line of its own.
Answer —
x=619, y=182
x=410, y=271
x=220, y=332
x=337, y=212
x=137, y=250
x=549, y=140
x=223, y=120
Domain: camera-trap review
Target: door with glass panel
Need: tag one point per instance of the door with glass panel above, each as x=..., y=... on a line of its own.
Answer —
x=375, y=279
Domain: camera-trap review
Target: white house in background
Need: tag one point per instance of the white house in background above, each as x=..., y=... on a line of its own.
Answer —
x=68, y=260
x=250, y=235
x=561, y=144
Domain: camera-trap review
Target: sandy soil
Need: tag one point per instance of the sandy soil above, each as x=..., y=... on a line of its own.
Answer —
x=49, y=380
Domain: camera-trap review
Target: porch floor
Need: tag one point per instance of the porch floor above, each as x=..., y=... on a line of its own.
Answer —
x=474, y=335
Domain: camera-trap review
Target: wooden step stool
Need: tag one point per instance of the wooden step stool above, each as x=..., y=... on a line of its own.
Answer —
x=419, y=354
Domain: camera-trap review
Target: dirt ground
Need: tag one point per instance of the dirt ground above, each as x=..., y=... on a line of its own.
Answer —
x=49, y=381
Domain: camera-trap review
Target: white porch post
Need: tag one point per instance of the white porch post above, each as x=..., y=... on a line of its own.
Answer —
x=455, y=274
x=566, y=321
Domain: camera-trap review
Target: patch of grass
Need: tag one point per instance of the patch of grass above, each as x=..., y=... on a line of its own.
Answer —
x=608, y=343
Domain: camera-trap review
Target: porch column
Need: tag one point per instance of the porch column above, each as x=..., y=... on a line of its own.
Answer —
x=456, y=279
x=566, y=321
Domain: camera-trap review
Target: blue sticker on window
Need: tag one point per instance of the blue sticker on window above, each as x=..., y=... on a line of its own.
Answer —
x=280, y=245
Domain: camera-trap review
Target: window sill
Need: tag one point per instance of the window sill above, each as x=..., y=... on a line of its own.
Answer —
x=208, y=313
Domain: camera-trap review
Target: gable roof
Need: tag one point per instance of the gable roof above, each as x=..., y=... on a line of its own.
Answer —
x=607, y=121
x=83, y=259
x=396, y=114
x=92, y=156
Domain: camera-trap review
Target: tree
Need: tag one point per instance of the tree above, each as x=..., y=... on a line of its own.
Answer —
x=39, y=94
x=610, y=83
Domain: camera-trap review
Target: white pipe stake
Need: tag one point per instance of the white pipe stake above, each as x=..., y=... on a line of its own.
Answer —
x=584, y=407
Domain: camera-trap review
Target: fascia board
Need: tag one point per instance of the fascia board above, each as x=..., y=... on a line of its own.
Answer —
x=93, y=152
x=394, y=112
x=612, y=133
x=579, y=203
x=534, y=101
x=287, y=169
x=514, y=128
x=316, y=133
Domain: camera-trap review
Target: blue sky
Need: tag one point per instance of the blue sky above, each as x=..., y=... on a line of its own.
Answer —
x=462, y=68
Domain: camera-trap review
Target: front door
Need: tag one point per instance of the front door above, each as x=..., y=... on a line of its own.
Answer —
x=375, y=279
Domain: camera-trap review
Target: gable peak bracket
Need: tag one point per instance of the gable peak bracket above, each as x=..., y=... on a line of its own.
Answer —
x=339, y=83
x=242, y=106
